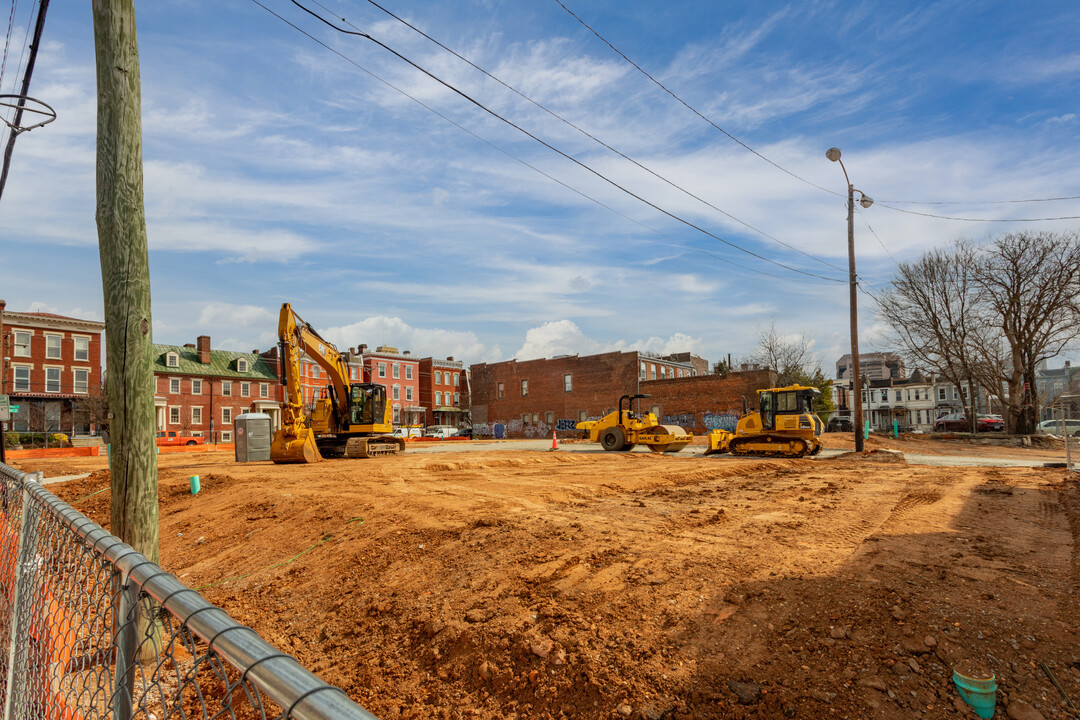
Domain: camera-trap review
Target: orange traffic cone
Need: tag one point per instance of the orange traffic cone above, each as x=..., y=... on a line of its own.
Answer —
x=554, y=441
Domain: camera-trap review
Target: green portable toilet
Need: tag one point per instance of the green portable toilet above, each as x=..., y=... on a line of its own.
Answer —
x=253, y=437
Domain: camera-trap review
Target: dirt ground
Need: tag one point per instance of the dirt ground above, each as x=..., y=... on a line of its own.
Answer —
x=495, y=584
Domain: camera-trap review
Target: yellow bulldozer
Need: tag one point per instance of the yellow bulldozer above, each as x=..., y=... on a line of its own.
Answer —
x=622, y=429
x=784, y=426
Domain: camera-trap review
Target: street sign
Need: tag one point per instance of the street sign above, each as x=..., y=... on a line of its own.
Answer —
x=5, y=408
x=14, y=408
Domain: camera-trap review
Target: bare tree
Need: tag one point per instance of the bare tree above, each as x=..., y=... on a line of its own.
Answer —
x=990, y=314
x=793, y=359
x=1029, y=284
x=931, y=309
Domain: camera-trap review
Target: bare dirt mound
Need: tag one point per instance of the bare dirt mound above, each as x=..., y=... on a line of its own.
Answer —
x=544, y=585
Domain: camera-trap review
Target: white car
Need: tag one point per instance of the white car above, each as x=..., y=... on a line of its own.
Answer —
x=1053, y=427
x=408, y=431
x=441, y=431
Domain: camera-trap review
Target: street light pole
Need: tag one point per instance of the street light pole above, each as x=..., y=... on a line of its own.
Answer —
x=856, y=386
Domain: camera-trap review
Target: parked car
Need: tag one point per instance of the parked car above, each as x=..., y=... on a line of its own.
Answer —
x=171, y=437
x=840, y=424
x=441, y=431
x=958, y=422
x=1053, y=427
x=408, y=431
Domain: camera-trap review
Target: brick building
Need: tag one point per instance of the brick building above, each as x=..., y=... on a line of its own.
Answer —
x=51, y=369
x=534, y=396
x=398, y=372
x=199, y=391
x=443, y=391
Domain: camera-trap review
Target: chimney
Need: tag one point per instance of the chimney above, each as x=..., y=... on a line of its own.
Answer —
x=1068, y=364
x=362, y=349
x=190, y=345
x=450, y=358
x=203, y=344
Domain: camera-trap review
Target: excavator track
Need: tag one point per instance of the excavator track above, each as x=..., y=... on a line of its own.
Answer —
x=770, y=446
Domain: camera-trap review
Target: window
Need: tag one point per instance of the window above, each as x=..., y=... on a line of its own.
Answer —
x=226, y=436
x=941, y=393
x=22, y=344
x=663, y=372
x=196, y=387
x=174, y=386
x=438, y=399
x=644, y=375
x=82, y=349
x=245, y=389
x=196, y=416
x=52, y=380
x=82, y=381
x=873, y=393
x=241, y=365
x=438, y=378
x=226, y=416
x=395, y=370
x=52, y=347
x=264, y=390
x=457, y=398
x=22, y=378
x=408, y=392
x=352, y=373
x=457, y=379
x=653, y=372
x=582, y=415
x=172, y=360
x=397, y=392
x=397, y=412
x=525, y=418
x=174, y=415
x=499, y=390
x=567, y=382
x=382, y=369
x=549, y=417
x=226, y=387
x=408, y=372
x=524, y=388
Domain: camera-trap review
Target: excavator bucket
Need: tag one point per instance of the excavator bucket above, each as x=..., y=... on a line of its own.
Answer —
x=300, y=448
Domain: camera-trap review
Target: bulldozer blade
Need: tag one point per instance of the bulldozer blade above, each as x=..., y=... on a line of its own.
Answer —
x=295, y=449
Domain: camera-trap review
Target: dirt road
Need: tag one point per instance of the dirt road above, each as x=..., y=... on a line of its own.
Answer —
x=535, y=584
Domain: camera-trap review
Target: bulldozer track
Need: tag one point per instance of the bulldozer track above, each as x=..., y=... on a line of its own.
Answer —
x=785, y=447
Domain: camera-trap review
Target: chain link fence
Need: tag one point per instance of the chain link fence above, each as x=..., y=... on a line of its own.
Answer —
x=90, y=628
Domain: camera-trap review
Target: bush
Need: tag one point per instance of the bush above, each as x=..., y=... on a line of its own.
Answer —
x=12, y=438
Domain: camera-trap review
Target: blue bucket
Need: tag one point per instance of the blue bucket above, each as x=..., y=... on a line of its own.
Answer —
x=979, y=693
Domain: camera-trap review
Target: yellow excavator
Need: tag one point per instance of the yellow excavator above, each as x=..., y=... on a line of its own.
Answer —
x=622, y=429
x=350, y=420
x=784, y=426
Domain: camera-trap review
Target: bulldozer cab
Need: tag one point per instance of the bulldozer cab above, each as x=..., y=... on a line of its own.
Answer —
x=794, y=401
x=367, y=404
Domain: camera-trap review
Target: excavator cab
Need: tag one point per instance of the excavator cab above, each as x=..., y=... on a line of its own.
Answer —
x=786, y=402
x=367, y=403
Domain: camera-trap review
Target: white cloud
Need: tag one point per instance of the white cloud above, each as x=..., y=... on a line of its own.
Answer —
x=563, y=337
x=420, y=342
x=229, y=315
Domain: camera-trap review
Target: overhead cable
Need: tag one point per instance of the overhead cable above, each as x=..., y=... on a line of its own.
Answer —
x=587, y=134
x=572, y=189
x=554, y=149
x=969, y=219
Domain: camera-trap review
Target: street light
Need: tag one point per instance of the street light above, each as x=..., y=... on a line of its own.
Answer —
x=834, y=155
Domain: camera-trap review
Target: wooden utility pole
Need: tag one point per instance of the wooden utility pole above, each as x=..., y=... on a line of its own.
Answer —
x=125, y=277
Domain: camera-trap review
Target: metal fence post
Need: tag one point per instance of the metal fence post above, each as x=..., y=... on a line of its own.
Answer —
x=127, y=628
x=16, y=677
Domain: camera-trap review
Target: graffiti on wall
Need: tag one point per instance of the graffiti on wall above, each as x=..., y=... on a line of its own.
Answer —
x=565, y=425
x=716, y=421
x=684, y=420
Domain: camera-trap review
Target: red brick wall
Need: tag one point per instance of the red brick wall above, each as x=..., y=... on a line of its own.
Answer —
x=38, y=360
x=706, y=394
x=211, y=401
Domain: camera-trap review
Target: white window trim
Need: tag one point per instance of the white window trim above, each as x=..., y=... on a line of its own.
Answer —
x=15, y=378
x=242, y=364
x=395, y=371
x=408, y=393
x=457, y=379
x=75, y=381
x=172, y=359
x=60, y=382
x=397, y=392
x=226, y=412
x=525, y=387
x=226, y=388
x=226, y=436
x=177, y=409
x=29, y=340
x=178, y=385
x=264, y=390
x=245, y=389
x=193, y=390
x=438, y=377
x=75, y=347
x=196, y=415
x=457, y=398
x=438, y=398
x=382, y=370
x=408, y=372
x=60, y=348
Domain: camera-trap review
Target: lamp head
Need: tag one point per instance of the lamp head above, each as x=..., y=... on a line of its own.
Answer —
x=833, y=153
x=866, y=201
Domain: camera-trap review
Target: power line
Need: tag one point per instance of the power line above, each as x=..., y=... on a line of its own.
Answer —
x=551, y=147
x=968, y=219
x=13, y=135
x=691, y=108
x=880, y=242
x=585, y=132
x=517, y=159
x=979, y=202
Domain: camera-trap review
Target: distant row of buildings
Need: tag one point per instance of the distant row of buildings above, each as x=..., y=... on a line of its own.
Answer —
x=52, y=370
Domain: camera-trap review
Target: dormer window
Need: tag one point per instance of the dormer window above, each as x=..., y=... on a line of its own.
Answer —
x=172, y=359
x=241, y=365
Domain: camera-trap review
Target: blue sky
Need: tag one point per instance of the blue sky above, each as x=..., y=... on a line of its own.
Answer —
x=279, y=170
